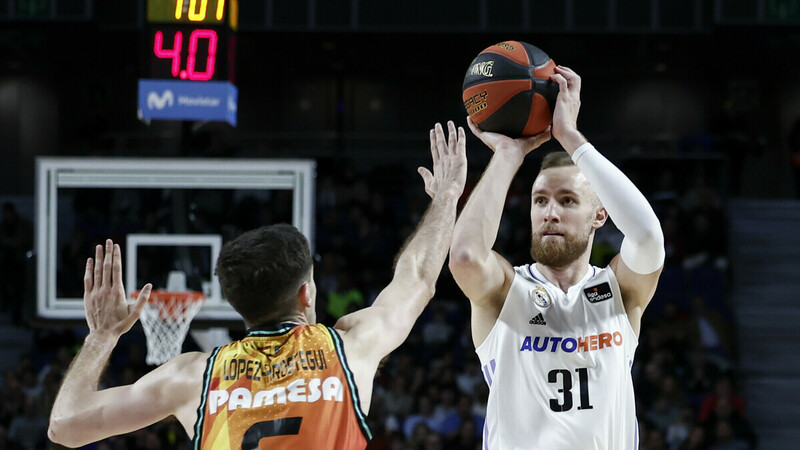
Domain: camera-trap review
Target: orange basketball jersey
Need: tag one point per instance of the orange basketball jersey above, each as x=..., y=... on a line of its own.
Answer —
x=285, y=386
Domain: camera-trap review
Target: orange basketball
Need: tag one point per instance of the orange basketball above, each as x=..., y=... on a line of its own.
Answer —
x=507, y=89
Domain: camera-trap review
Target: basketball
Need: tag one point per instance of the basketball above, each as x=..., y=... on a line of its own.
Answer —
x=507, y=89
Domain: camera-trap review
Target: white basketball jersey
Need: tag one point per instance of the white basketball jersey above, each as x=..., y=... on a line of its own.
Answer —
x=558, y=366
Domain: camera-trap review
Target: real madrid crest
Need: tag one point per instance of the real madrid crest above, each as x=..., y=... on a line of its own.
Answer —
x=540, y=296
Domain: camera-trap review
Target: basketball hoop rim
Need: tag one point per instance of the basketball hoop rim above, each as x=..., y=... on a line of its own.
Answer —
x=173, y=305
x=164, y=296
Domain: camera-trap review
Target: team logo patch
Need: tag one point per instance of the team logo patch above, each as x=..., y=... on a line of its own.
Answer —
x=599, y=293
x=540, y=296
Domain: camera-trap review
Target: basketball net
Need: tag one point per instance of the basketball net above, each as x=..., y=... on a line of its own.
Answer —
x=166, y=318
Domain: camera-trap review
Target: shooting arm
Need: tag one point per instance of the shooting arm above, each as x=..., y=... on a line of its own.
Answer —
x=481, y=273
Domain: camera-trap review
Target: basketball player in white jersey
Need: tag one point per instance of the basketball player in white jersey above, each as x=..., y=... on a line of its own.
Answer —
x=556, y=338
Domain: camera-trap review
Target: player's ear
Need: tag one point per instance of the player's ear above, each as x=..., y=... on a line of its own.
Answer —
x=304, y=296
x=600, y=217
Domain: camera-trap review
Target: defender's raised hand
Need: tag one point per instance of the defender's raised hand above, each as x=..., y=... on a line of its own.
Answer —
x=449, y=161
x=107, y=310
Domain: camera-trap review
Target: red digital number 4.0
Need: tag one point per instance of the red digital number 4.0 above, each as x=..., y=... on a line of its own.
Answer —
x=174, y=54
x=196, y=35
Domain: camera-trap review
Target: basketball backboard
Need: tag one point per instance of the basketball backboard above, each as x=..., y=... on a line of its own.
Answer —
x=166, y=214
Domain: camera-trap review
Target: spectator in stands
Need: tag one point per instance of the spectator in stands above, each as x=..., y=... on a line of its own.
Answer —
x=433, y=442
x=723, y=393
x=437, y=331
x=50, y=385
x=31, y=386
x=12, y=398
x=444, y=408
x=673, y=328
x=652, y=440
x=668, y=404
x=58, y=364
x=697, y=440
x=453, y=424
x=727, y=422
x=665, y=193
x=661, y=413
x=467, y=437
x=726, y=439
x=5, y=444
x=702, y=197
x=423, y=415
x=469, y=378
x=710, y=331
x=674, y=236
x=699, y=382
x=418, y=436
x=16, y=239
x=346, y=299
x=706, y=239
x=30, y=428
x=704, y=242
x=396, y=401
x=679, y=430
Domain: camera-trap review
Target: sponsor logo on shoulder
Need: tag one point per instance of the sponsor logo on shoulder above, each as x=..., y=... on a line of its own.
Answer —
x=540, y=296
x=599, y=293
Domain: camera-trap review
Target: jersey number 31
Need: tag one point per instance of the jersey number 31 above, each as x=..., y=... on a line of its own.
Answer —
x=566, y=389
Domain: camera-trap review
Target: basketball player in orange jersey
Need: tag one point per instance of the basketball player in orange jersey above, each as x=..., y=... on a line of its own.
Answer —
x=556, y=338
x=290, y=383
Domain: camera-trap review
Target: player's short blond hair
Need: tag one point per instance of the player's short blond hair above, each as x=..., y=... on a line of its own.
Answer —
x=563, y=159
x=556, y=159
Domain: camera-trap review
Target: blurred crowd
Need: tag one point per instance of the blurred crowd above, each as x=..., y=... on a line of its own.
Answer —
x=429, y=394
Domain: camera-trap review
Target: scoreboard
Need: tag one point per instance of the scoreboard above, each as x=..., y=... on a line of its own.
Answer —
x=190, y=52
x=194, y=12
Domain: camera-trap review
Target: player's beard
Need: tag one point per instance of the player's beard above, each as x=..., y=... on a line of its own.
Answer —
x=555, y=252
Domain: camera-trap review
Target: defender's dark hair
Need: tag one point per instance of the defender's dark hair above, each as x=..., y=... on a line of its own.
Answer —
x=556, y=159
x=261, y=271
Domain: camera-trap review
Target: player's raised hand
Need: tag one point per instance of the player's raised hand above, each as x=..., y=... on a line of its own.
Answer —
x=449, y=161
x=107, y=310
x=568, y=104
x=500, y=142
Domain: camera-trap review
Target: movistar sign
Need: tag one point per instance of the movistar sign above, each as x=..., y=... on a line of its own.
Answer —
x=188, y=100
